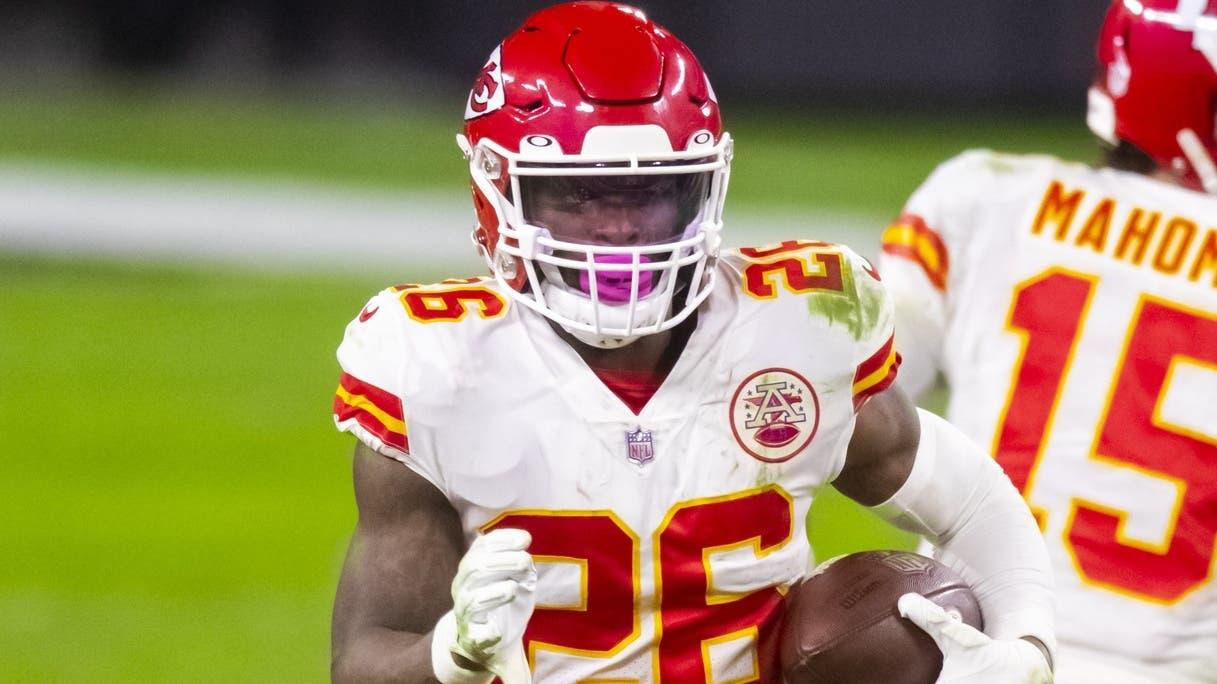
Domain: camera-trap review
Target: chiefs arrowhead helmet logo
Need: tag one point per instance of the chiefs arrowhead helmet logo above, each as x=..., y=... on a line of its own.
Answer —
x=484, y=88
x=487, y=93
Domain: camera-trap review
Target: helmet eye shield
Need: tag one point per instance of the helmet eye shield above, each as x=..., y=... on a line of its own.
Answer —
x=648, y=211
x=615, y=210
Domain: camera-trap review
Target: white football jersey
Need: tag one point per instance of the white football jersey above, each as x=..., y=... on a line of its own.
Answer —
x=1074, y=313
x=665, y=540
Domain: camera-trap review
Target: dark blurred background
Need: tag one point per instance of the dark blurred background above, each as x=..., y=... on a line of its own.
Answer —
x=961, y=54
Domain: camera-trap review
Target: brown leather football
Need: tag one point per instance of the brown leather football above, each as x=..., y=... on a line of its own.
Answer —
x=842, y=624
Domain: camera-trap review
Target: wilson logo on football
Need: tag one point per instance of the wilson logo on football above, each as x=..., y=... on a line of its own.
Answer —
x=487, y=93
x=774, y=414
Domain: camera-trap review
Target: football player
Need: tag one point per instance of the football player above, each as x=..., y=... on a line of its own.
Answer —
x=1073, y=311
x=596, y=463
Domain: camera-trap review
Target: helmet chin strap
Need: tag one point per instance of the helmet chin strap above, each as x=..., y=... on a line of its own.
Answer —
x=1193, y=148
x=600, y=341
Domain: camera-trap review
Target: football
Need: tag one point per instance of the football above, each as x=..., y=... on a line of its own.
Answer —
x=842, y=624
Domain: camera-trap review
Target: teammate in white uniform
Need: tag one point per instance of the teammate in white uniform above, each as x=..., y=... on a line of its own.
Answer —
x=611, y=445
x=1073, y=312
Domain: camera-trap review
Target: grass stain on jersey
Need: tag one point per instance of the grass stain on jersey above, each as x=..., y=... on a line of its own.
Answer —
x=857, y=308
x=1000, y=163
x=767, y=475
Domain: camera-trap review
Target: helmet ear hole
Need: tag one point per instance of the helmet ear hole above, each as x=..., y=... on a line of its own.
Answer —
x=486, y=233
x=482, y=240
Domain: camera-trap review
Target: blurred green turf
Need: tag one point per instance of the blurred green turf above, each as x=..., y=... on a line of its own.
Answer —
x=846, y=160
x=176, y=501
x=175, y=498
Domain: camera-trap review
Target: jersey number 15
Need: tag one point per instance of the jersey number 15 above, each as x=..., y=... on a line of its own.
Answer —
x=1048, y=312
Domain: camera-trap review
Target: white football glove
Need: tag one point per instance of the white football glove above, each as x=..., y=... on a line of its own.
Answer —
x=969, y=656
x=493, y=596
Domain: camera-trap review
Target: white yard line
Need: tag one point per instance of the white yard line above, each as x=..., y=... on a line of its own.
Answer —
x=71, y=210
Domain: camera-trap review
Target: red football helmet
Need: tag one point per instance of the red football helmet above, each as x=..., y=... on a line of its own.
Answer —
x=1157, y=85
x=599, y=168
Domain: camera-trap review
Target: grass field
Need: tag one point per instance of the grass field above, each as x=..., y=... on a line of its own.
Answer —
x=176, y=501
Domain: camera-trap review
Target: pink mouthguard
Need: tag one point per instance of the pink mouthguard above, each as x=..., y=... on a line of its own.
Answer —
x=614, y=286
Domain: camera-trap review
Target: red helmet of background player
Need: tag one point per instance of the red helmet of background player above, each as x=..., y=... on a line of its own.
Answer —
x=1157, y=85
x=595, y=92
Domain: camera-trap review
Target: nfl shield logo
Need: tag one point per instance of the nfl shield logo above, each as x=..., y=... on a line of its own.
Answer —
x=641, y=447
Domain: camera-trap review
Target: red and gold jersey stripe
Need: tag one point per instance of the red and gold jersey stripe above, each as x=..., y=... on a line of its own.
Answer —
x=375, y=410
x=911, y=238
x=877, y=373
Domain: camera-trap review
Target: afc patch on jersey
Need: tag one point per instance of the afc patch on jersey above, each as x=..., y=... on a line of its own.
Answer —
x=774, y=414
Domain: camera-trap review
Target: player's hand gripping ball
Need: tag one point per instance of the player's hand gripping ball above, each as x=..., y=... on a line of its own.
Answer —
x=843, y=625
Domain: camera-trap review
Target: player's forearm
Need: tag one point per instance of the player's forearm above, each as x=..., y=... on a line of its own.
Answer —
x=999, y=551
x=384, y=655
x=959, y=499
